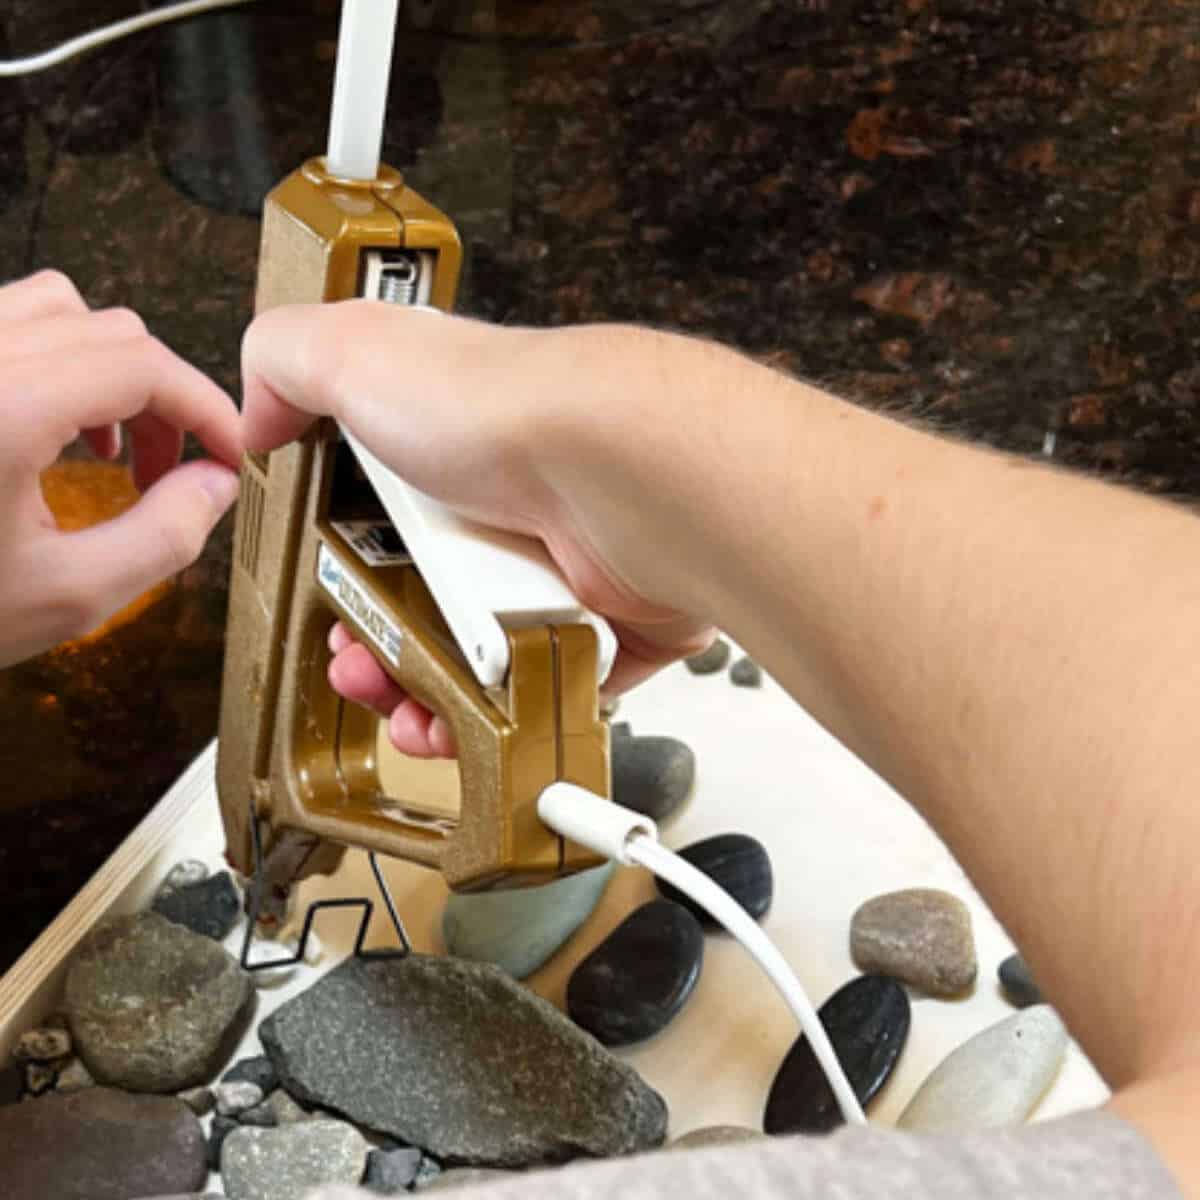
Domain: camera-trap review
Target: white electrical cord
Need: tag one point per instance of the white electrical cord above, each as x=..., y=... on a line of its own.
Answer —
x=109, y=33
x=628, y=837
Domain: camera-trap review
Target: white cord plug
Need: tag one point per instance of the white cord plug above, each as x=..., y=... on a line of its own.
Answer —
x=628, y=838
x=109, y=33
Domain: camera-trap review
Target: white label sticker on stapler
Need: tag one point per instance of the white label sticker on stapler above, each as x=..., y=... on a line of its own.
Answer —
x=351, y=596
x=375, y=542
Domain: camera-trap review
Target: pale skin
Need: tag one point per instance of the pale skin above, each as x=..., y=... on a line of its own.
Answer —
x=1012, y=647
x=1016, y=649
x=67, y=372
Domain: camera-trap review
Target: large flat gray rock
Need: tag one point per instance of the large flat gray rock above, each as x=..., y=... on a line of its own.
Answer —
x=457, y=1058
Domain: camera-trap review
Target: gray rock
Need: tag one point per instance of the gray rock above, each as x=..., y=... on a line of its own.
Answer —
x=102, y=1144
x=519, y=930
x=390, y=1172
x=235, y=1098
x=286, y=1110
x=199, y=1099
x=73, y=1076
x=463, y=1177
x=183, y=874
x=429, y=1170
x=261, y=1115
x=256, y=1069
x=709, y=661
x=746, y=673
x=717, y=1135
x=652, y=775
x=620, y=729
x=210, y=907
x=1018, y=983
x=994, y=1080
x=921, y=936
x=42, y=1045
x=456, y=1058
x=153, y=1006
x=283, y=1163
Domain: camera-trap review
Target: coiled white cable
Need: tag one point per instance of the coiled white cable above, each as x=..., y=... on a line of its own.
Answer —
x=109, y=33
x=630, y=838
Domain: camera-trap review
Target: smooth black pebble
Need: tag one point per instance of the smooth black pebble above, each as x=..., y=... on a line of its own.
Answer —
x=632, y=985
x=1018, y=983
x=867, y=1021
x=739, y=864
x=221, y=1128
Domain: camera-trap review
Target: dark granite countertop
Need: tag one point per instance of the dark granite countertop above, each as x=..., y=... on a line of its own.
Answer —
x=981, y=213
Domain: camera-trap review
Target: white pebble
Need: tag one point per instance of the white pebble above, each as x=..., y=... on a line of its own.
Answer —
x=185, y=873
x=234, y=1098
x=267, y=951
x=994, y=1080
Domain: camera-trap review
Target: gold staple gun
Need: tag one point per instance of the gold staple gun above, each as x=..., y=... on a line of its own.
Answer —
x=476, y=625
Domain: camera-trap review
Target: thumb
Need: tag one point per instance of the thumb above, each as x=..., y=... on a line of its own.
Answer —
x=161, y=535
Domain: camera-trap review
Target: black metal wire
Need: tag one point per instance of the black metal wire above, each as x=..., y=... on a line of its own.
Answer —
x=254, y=906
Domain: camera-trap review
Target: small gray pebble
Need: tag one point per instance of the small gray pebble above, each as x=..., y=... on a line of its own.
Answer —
x=390, y=1172
x=746, y=673
x=652, y=775
x=42, y=1045
x=289, y=1162
x=716, y=1135
x=235, y=1098
x=257, y=1070
x=1018, y=983
x=620, y=729
x=287, y=1111
x=199, y=1099
x=185, y=873
x=222, y=1127
x=73, y=1076
x=262, y=1116
x=464, y=1177
x=709, y=661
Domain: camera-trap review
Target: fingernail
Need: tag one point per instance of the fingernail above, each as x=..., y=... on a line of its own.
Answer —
x=221, y=484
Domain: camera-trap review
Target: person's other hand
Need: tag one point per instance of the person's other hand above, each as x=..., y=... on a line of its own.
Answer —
x=66, y=371
x=473, y=415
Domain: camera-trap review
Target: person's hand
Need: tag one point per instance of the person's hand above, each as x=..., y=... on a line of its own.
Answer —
x=470, y=414
x=64, y=372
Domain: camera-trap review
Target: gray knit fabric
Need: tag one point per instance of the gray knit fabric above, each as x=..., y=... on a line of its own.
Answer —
x=1094, y=1155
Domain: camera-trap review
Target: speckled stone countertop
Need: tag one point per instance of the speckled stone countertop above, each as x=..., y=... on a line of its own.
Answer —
x=981, y=213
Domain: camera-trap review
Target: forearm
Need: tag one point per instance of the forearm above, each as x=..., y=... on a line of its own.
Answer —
x=1014, y=649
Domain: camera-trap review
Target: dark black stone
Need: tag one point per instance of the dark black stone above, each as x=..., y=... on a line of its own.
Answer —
x=652, y=775
x=867, y=1021
x=1017, y=982
x=102, y=1144
x=262, y=1116
x=632, y=985
x=390, y=1172
x=11, y=1085
x=257, y=1070
x=209, y=907
x=736, y=861
x=222, y=1127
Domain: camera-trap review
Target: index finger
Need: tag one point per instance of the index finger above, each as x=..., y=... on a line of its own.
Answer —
x=103, y=385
